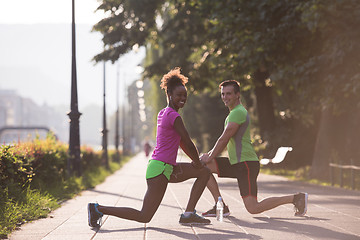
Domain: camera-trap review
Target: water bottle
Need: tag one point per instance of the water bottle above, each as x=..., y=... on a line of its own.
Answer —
x=219, y=210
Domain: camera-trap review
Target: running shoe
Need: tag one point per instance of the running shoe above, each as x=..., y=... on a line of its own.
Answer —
x=212, y=212
x=193, y=218
x=300, y=204
x=94, y=216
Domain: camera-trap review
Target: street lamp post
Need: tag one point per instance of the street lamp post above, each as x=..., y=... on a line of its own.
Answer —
x=117, y=115
x=104, y=130
x=124, y=139
x=74, y=162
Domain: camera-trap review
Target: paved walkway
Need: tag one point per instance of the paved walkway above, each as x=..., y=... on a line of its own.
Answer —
x=332, y=213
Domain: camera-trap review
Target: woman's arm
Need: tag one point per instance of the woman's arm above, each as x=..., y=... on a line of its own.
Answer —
x=186, y=144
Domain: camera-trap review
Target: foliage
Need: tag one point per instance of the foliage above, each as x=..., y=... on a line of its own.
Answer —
x=308, y=50
x=30, y=205
x=197, y=124
x=127, y=25
x=309, y=47
x=33, y=179
x=326, y=74
x=30, y=163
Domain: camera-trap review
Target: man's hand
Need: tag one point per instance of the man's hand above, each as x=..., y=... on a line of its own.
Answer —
x=204, y=157
x=198, y=164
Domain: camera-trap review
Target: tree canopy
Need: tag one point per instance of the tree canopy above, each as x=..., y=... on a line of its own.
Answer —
x=309, y=48
x=303, y=56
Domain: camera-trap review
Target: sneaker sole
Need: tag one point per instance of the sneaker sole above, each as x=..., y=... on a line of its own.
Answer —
x=89, y=222
x=194, y=223
x=88, y=208
x=214, y=215
x=305, y=208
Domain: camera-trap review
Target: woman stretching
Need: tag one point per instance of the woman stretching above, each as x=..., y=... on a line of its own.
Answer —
x=162, y=168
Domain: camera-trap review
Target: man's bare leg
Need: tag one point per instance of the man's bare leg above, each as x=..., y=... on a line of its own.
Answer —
x=254, y=207
x=212, y=184
x=213, y=187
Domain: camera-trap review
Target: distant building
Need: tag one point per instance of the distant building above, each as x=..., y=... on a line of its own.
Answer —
x=16, y=111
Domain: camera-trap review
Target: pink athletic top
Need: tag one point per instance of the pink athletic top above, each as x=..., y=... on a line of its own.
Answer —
x=167, y=139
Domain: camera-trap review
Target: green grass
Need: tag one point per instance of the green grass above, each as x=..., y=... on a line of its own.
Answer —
x=90, y=179
x=31, y=204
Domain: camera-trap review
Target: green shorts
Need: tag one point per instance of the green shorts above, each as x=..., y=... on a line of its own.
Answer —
x=155, y=168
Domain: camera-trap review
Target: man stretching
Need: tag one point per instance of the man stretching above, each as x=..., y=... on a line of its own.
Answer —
x=243, y=163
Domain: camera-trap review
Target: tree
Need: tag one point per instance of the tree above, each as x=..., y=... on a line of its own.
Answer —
x=297, y=57
x=339, y=86
x=129, y=23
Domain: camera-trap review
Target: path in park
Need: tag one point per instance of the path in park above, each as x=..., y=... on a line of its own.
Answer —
x=332, y=213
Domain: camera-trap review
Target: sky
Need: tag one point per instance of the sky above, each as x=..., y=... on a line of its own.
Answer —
x=48, y=11
x=35, y=53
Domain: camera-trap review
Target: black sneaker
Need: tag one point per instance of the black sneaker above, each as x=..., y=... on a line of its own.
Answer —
x=193, y=218
x=94, y=216
x=300, y=204
x=212, y=212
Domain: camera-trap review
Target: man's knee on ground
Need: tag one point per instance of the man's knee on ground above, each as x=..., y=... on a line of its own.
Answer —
x=251, y=205
x=252, y=210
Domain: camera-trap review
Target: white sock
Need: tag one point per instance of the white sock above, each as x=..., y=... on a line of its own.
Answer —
x=186, y=214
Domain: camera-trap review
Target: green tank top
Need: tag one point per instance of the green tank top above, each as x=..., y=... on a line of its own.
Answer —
x=239, y=147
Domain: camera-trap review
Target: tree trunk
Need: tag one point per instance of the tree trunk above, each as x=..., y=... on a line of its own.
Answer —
x=336, y=141
x=264, y=104
x=320, y=163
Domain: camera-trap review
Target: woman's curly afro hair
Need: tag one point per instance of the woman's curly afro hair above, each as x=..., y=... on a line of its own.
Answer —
x=173, y=79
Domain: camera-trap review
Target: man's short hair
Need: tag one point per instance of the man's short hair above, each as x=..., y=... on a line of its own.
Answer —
x=234, y=83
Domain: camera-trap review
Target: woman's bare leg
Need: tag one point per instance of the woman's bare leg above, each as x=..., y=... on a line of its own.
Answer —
x=185, y=171
x=153, y=197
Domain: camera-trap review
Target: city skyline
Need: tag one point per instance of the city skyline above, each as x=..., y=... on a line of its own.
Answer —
x=35, y=60
x=44, y=58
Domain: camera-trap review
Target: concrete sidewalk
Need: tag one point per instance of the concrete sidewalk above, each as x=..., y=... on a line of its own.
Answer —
x=332, y=213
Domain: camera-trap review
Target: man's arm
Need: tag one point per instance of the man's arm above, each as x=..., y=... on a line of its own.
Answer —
x=229, y=131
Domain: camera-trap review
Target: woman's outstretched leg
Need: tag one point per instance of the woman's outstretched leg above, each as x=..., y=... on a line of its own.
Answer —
x=153, y=197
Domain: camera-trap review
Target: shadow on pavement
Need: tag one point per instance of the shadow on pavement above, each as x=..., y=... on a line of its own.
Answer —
x=292, y=225
x=222, y=234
